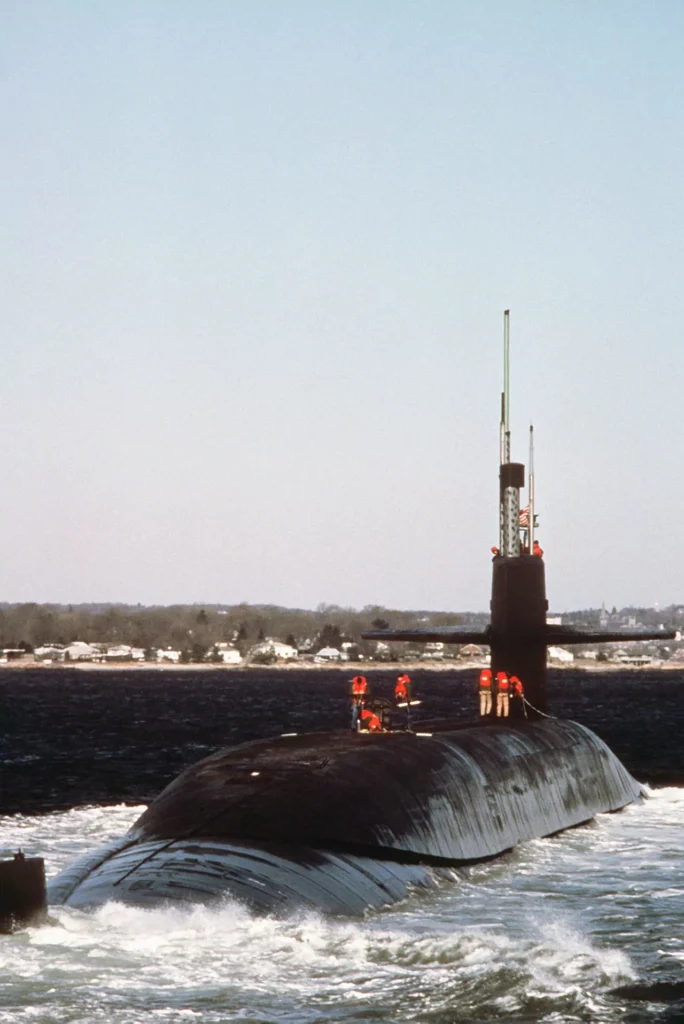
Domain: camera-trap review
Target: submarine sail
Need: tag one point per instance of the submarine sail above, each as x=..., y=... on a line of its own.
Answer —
x=518, y=634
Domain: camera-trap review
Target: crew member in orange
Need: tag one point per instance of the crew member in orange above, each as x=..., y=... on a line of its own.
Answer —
x=518, y=692
x=359, y=693
x=370, y=721
x=402, y=695
x=359, y=686
x=402, y=691
x=495, y=551
x=537, y=550
x=502, y=695
x=485, y=688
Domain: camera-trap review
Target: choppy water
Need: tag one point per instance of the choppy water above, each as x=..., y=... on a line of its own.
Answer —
x=544, y=934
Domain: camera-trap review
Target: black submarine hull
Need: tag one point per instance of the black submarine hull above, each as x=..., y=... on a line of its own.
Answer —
x=342, y=822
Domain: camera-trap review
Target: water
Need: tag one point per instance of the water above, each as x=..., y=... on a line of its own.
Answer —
x=544, y=934
x=69, y=737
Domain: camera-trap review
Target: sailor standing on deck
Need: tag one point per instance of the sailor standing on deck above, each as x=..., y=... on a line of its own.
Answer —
x=402, y=696
x=485, y=689
x=502, y=695
x=402, y=690
x=517, y=691
x=359, y=694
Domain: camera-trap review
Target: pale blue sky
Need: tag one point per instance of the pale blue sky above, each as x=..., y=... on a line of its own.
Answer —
x=255, y=258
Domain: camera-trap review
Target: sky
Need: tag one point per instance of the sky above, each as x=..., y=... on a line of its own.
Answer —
x=254, y=262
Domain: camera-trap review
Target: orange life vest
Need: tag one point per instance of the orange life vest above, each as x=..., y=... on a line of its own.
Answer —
x=517, y=686
x=359, y=686
x=537, y=550
x=371, y=721
x=400, y=690
x=485, y=679
x=502, y=681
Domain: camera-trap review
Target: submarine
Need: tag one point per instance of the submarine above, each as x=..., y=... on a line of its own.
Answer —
x=342, y=822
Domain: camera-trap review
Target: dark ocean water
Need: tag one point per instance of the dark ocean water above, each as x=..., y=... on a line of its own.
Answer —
x=554, y=932
x=72, y=737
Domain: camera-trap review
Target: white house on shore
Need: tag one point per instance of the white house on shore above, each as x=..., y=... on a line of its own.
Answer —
x=117, y=652
x=327, y=655
x=275, y=649
x=229, y=655
x=433, y=650
x=80, y=651
x=560, y=655
x=168, y=655
x=49, y=653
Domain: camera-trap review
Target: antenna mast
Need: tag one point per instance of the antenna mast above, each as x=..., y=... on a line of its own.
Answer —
x=530, y=485
x=507, y=388
x=511, y=474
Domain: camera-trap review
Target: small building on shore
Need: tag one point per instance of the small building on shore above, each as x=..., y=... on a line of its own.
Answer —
x=228, y=654
x=471, y=651
x=433, y=651
x=326, y=655
x=166, y=654
x=560, y=655
x=13, y=654
x=49, y=653
x=80, y=651
x=117, y=652
x=271, y=650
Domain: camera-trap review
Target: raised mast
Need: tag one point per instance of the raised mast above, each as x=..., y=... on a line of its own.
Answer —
x=517, y=634
x=511, y=474
x=530, y=487
x=507, y=388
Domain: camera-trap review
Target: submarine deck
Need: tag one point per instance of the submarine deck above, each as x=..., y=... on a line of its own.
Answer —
x=342, y=821
x=457, y=794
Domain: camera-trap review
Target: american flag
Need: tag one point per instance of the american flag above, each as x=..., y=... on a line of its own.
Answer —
x=525, y=516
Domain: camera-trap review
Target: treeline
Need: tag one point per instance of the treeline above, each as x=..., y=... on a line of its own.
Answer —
x=188, y=627
x=671, y=617
x=184, y=627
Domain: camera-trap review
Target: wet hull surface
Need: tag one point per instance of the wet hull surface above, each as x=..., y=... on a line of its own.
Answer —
x=341, y=822
x=263, y=878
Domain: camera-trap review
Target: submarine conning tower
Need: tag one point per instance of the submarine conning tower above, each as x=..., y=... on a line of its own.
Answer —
x=518, y=605
x=518, y=633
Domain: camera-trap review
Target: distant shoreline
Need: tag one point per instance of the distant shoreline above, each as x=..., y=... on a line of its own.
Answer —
x=350, y=667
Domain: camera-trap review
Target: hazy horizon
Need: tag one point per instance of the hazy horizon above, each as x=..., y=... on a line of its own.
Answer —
x=255, y=264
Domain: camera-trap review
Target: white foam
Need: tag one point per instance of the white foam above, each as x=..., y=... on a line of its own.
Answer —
x=544, y=932
x=61, y=836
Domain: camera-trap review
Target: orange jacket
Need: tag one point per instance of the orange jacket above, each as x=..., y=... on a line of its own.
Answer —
x=401, y=690
x=359, y=686
x=517, y=686
x=537, y=550
x=486, y=679
x=371, y=721
x=502, y=682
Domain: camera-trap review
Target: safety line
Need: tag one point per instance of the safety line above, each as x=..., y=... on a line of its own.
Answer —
x=526, y=701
